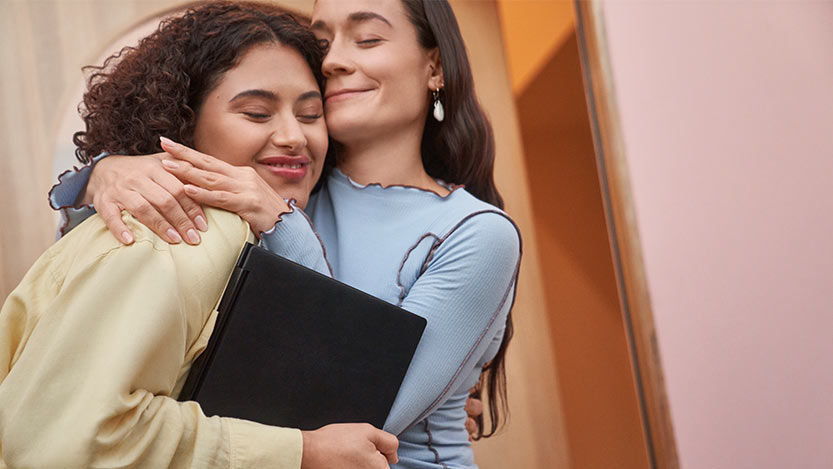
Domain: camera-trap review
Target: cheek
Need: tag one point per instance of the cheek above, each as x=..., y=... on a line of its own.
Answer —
x=231, y=140
x=405, y=81
x=317, y=143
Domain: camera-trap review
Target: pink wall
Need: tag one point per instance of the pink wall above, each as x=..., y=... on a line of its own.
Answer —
x=727, y=114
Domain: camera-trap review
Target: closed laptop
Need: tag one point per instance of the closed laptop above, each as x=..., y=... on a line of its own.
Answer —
x=295, y=348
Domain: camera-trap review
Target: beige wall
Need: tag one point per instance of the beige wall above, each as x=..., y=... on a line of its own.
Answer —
x=43, y=45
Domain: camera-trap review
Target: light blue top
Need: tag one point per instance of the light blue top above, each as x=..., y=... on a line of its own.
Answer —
x=453, y=260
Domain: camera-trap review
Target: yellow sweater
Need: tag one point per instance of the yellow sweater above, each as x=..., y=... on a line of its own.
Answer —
x=96, y=342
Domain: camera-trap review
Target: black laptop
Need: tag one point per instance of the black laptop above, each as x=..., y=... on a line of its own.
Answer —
x=295, y=348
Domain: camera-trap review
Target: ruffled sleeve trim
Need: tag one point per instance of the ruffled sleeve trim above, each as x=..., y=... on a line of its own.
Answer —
x=62, y=196
x=295, y=238
x=291, y=209
x=70, y=183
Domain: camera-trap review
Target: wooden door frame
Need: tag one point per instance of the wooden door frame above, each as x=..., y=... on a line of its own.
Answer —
x=624, y=235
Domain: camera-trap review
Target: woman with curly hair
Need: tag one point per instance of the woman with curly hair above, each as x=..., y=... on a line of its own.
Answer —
x=96, y=341
x=390, y=218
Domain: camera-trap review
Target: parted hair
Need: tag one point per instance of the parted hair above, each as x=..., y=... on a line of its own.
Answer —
x=155, y=88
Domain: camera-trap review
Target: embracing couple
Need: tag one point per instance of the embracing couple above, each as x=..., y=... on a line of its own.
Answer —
x=393, y=194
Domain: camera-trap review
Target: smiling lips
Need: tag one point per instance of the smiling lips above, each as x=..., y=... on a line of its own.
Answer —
x=292, y=168
x=342, y=94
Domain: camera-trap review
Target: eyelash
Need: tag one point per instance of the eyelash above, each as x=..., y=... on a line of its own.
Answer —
x=311, y=117
x=256, y=116
x=325, y=44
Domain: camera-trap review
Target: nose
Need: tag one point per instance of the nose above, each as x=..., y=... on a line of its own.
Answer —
x=288, y=134
x=336, y=60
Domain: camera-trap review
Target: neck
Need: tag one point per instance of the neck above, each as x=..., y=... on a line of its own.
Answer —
x=388, y=160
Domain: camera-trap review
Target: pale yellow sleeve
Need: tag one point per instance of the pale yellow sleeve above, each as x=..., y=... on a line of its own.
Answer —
x=90, y=388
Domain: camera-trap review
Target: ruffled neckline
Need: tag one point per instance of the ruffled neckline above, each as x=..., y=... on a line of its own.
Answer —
x=401, y=188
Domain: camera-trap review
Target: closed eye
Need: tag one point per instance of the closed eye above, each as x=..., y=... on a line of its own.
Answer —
x=310, y=117
x=256, y=115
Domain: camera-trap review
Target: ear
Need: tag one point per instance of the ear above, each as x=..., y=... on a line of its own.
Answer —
x=435, y=66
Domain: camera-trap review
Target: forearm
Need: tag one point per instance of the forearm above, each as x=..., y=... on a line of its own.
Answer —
x=140, y=430
x=465, y=294
x=441, y=367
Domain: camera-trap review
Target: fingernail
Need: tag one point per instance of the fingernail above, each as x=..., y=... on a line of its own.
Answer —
x=173, y=236
x=168, y=142
x=127, y=237
x=190, y=189
x=170, y=164
x=193, y=237
x=201, y=224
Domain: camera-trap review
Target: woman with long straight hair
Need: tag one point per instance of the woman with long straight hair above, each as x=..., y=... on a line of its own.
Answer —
x=391, y=217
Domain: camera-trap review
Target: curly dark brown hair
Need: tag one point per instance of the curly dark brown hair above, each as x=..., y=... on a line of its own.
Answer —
x=156, y=88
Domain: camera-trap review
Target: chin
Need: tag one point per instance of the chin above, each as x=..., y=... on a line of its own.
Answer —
x=345, y=127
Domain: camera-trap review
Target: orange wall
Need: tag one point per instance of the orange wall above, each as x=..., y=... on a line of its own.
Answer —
x=599, y=402
x=598, y=396
x=533, y=30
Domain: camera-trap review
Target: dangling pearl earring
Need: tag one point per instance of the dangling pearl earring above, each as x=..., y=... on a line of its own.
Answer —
x=439, y=112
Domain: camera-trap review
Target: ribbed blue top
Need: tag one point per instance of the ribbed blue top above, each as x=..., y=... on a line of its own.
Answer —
x=452, y=260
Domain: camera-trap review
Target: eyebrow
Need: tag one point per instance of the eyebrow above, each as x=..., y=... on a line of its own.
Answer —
x=268, y=95
x=310, y=95
x=255, y=94
x=355, y=17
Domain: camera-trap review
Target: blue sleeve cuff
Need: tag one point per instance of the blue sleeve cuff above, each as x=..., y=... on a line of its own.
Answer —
x=294, y=238
x=70, y=184
x=72, y=217
x=63, y=195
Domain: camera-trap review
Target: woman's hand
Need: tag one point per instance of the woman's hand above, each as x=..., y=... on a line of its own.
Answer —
x=348, y=446
x=140, y=185
x=214, y=182
x=474, y=409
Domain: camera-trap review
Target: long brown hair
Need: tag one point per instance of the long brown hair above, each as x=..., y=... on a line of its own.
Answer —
x=157, y=87
x=461, y=149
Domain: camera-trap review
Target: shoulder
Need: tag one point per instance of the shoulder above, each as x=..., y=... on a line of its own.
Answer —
x=226, y=232
x=479, y=232
x=205, y=266
x=220, y=245
x=470, y=217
